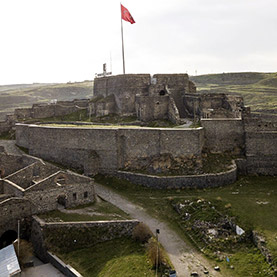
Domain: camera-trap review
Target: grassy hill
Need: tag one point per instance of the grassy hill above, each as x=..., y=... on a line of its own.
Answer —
x=22, y=96
x=258, y=89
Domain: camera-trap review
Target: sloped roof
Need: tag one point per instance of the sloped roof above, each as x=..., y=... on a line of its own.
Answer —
x=9, y=265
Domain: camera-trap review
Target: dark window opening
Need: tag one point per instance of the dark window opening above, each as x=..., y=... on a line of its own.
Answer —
x=85, y=194
x=158, y=103
x=162, y=92
x=74, y=196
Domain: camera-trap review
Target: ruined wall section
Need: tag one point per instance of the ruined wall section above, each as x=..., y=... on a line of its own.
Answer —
x=45, y=110
x=178, y=85
x=213, y=105
x=261, y=144
x=74, y=195
x=124, y=88
x=153, y=107
x=12, y=210
x=12, y=163
x=224, y=135
x=31, y=174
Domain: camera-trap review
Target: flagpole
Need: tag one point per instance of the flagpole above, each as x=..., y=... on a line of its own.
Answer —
x=122, y=41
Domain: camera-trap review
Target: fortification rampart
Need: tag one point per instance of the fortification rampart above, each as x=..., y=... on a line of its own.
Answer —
x=107, y=149
x=43, y=110
x=261, y=144
x=224, y=135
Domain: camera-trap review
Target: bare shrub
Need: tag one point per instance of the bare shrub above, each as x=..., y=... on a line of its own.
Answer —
x=156, y=258
x=26, y=251
x=142, y=233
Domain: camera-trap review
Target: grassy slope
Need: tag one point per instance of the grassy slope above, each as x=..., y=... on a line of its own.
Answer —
x=121, y=257
x=258, y=89
x=21, y=96
x=243, y=197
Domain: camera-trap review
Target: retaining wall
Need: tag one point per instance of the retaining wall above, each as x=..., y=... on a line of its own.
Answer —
x=75, y=235
x=175, y=182
x=66, y=269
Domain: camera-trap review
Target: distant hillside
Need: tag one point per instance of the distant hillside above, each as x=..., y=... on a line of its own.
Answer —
x=258, y=89
x=21, y=96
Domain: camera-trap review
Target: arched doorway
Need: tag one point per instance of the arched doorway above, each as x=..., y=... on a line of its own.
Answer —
x=8, y=238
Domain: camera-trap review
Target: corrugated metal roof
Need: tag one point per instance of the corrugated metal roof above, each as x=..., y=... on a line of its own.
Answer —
x=8, y=262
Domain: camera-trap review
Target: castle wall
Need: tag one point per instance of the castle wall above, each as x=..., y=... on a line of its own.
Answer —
x=223, y=135
x=124, y=87
x=152, y=107
x=176, y=81
x=261, y=145
x=110, y=148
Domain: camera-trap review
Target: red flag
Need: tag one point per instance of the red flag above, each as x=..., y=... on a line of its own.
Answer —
x=125, y=15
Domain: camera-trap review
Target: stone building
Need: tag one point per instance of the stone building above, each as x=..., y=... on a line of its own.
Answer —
x=30, y=186
x=161, y=96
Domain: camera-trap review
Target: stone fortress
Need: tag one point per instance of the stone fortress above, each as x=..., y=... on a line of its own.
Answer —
x=28, y=185
x=226, y=126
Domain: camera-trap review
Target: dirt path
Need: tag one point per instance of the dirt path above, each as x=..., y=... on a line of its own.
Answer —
x=184, y=258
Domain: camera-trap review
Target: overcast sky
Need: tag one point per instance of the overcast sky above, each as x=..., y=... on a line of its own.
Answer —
x=69, y=40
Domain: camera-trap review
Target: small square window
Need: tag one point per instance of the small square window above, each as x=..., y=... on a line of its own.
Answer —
x=74, y=196
x=85, y=194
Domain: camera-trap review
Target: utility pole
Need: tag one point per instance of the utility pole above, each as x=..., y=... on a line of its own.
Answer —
x=18, y=235
x=157, y=258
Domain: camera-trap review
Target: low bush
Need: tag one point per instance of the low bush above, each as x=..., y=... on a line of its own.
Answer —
x=142, y=233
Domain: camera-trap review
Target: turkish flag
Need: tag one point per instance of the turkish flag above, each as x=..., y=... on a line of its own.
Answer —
x=125, y=15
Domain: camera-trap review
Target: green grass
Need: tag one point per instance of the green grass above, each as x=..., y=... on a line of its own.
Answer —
x=103, y=211
x=241, y=196
x=120, y=257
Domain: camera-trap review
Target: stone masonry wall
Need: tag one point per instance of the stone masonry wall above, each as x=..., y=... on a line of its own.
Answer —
x=223, y=135
x=11, y=188
x=13, y=209
x=75, y=235
x=261, y=144
x=124, y=87
x=111, y=148
x=150, y=108
x=75, y=195
x=174, y=182
x=11, y=163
